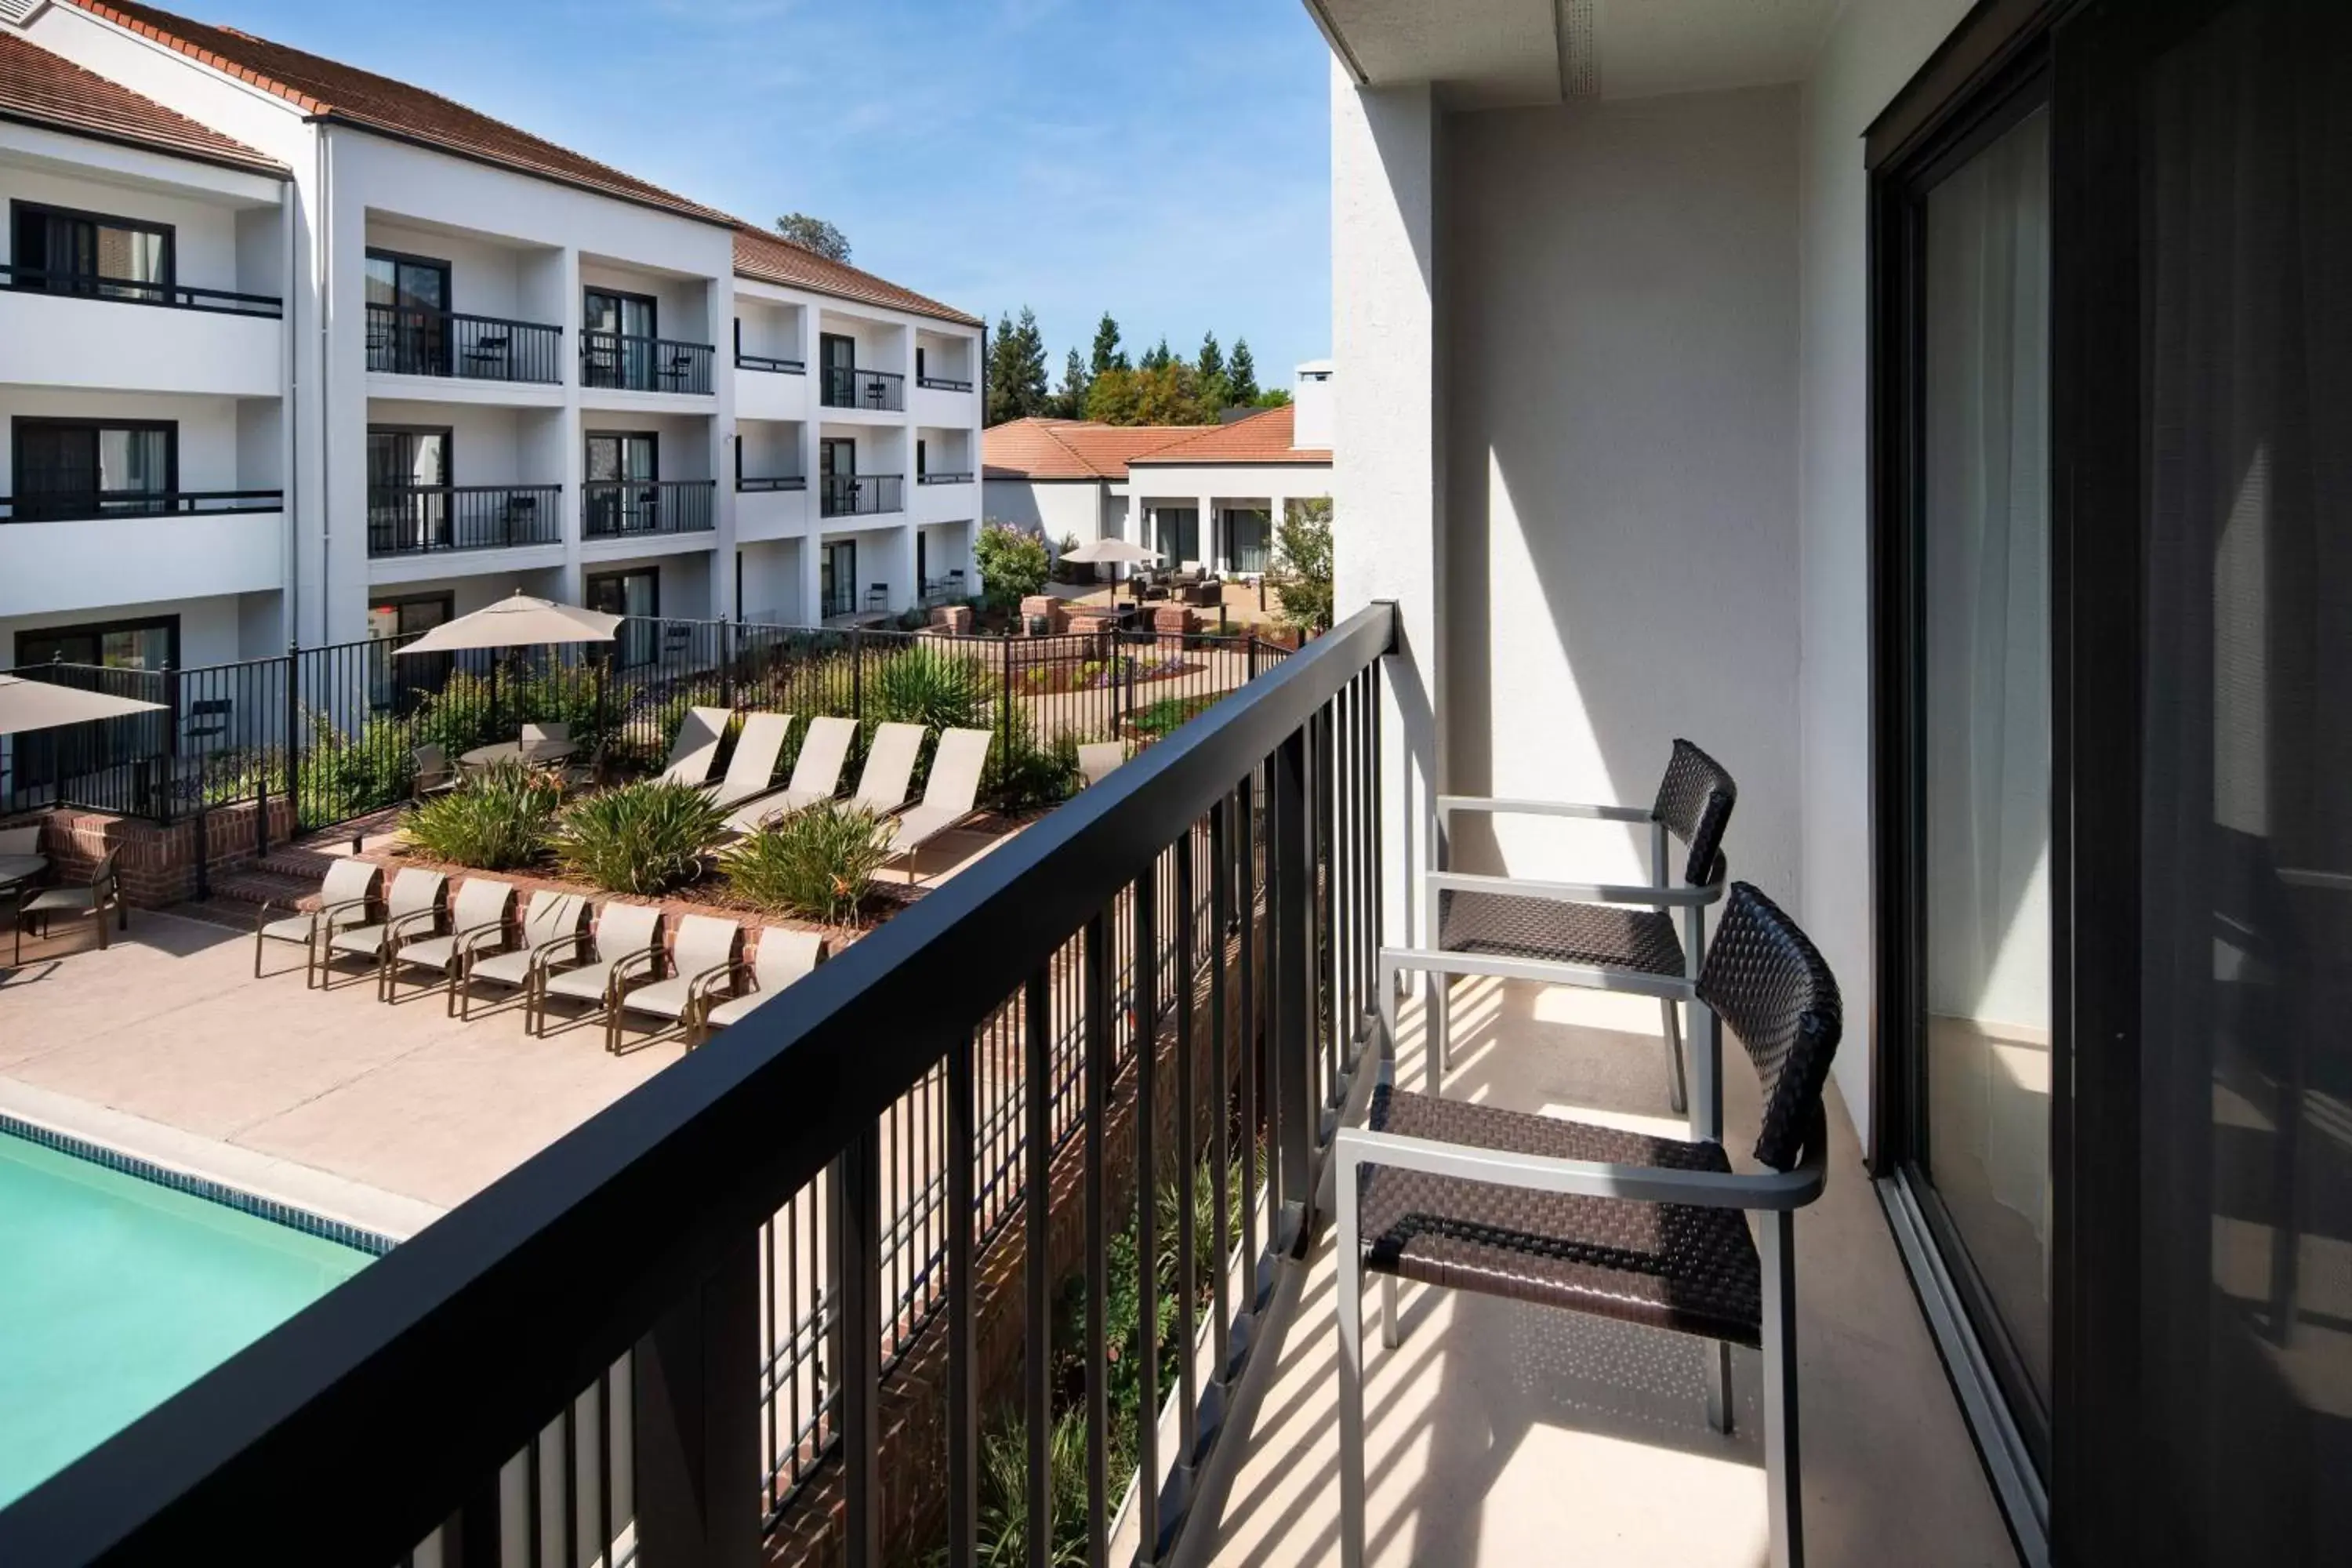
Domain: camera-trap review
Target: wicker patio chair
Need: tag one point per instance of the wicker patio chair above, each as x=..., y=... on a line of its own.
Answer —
x=627, y=941
x=418, y=901
x=348, y=895
x=1616, y=1224
x=93, y=901
x=705, y=945
x=552, y=927
x=781, y=957
x=482, y=921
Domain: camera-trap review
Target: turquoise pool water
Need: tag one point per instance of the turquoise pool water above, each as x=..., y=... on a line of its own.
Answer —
x=116, y=1292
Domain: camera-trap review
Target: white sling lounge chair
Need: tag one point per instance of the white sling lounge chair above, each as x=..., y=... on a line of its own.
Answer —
x=754, y=765
x=481, y=921
x=552, y=926
x=948, y=795
x=627, y=941
x=705, y=945
x=696, y=746
x=816, y=776
x=781, y=957
x=889, y=774
x=346, y=895
x=417, y=904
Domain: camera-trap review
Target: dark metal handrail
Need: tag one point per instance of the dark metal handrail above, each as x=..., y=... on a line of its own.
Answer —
x=427, y=1370
x=941, y=384
x=846, y=386
x=769, y=362
x=945, y=476
x=746, y=482
x=413, y=520
x=611, y=508
x=644, y=364
x=75, y=508
x=403, y=339
x=133, y=291
x=858, y=495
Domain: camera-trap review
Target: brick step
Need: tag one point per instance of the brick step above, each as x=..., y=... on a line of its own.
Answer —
x=293, y=861
x=253, y=887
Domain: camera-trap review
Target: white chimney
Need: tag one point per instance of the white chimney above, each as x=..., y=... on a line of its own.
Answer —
x=1310, y=398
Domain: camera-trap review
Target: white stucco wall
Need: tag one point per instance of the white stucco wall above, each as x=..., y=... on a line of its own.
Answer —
x=1056, y=508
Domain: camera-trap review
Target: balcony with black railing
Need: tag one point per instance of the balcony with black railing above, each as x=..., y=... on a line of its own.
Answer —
x=876, y=391
x=615, y=508
x=70, y=506
x=942, y=384
x=770, y=362
x=136, y=291
x=945, y=476
x=860, y=495
x=750, y=484
x=416, y=519
x=624, y=362
x=405, y=341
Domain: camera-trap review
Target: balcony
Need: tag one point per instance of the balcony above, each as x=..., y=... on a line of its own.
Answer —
x=941, y=384
x=874, y=391
x=747, y=484
x=75, y=506
x=860, y=495
x=130, y=291
x=619, y=508
x=402, y=340
x=71, y=330
x=946, y=476
x=416, y=519
x=770, y=363
x=73, y=553
x=623, y=363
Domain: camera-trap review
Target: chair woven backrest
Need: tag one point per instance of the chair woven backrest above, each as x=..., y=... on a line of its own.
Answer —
x=889, y=767
x=756, y=751
x=786, y=955
x=481, y=902
x=626, y=927
x=349, y=878
x=824, y=751
x=1097, y=759
x=545, y=731
x=704, y=942
x=1694, y=802
x=553, y=914
x=1767, y=983
x=696, y=746
x=956, y=767
x=24, y=840
x=431, y=760
x=413, y=890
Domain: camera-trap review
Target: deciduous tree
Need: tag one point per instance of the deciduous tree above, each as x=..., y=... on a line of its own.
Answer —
x=814, y=234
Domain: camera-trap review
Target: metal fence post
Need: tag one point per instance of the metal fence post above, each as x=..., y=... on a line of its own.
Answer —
x=857, y=674
x=171, y=780
x=1293, y=985
x=727, y=663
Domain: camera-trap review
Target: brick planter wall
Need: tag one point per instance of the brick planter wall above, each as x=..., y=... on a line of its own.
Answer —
x=158, y=864
x=1054, y=612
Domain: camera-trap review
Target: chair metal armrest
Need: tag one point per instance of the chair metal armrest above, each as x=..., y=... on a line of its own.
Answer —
x=1682, y=898
x=398, y=928
x=1773, y=1191
x=464, y=940
x=698, y=987
x=617, y=980
x=1502, y=805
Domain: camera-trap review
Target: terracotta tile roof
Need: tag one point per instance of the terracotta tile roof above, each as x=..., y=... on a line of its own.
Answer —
x=1040, y=448
x=38, y=88
x=1260, y=438
x=771, y=259
x=329, y=90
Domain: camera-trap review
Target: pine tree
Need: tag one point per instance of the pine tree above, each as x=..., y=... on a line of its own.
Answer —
x=1016, y=369
x=1157, y=357
x=1029, y=364
x=1107, y=354
x=1070, y=401
x=1212, y=359
x=1241, y=375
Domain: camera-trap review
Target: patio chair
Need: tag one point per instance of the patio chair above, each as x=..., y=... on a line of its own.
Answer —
x=696, y=746
x=347, y=896
x=538, y=739
x=781, y=957
x=948, y=795
x=21, y=859
x=1616, y=1224
x=889, y=771
x=753, y=766
x=482, y=921
x=418, y=901
x=816, y=776
x=706, y=946
x=1602, y=936
x=1096, y=760
x=94, y=900
x=554, y=924
x=433, y=775
x=627, y=941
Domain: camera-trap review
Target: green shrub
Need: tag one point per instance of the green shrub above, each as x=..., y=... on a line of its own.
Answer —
x=818, y=864
x=932, y=686
x=644, y=837
x=1020, y=772
x=345, y=776
x=1166, y=714
x=1013, y=564
x=1005, y=1493
x=494, y=820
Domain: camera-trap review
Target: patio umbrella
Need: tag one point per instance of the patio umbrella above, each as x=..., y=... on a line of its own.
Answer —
x=42, y=705
x=1112, y=552
x=518, y=622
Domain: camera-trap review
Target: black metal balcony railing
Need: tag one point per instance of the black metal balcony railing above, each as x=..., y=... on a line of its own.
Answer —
x=945, y=476
x=411, y=520
x=405, y=340
x=612, y=508
x=769, y=362
x=856, y=495
x=130, y=291
x=644, y=364
x=848, y=387
x=1173, y=974
x=746, y=483
x=941, y=384
x=72, y=507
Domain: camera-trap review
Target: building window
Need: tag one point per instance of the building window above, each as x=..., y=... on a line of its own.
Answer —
x=636, y=594
x=93, y=467
x=90, y=253
x=407, y=313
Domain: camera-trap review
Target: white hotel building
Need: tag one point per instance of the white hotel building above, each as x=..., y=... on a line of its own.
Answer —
x=293, y=351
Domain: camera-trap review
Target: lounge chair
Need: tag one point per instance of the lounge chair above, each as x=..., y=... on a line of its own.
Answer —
x=948, y=795
x=433, y=775
x=538, y=739
x=781, y=957
x=346, y=895
x=1097, y=759
x=753, y=766
x=418, y=901
x=816, y=776
x=889, y=771
x=706, y=946
x=552, y=924
x=102, y=896
x=1613, y=1222
x=482, y=921
x=696, y=746
x=627, y=941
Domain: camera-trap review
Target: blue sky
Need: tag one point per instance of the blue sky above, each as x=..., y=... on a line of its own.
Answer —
x=1165, y=160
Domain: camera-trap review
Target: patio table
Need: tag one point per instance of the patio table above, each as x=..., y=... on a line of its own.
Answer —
x=509, y=751
x=15, y=869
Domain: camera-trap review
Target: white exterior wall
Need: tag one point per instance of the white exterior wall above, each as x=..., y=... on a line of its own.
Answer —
x=1053, y=507
x=1214, y=487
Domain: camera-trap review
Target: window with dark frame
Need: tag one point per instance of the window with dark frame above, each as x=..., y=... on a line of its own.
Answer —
x=66, y=469
x=63, y=250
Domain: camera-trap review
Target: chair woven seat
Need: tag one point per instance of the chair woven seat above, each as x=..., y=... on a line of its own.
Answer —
x=1670, y=1266
x=1517, y=925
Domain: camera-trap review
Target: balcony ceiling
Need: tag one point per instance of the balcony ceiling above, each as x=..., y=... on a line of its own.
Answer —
x=1484, y=54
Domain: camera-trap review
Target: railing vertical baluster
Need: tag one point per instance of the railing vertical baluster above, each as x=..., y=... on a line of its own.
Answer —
x=1187, y=1141
x=1221, y=899
x=1097, y=1106
x=1249, y=1033
x=963, y=1416
x=1292, y=1042
x=1147, y=1200
x=1037, y=1368
x=857, y=1357
x=604, y=1462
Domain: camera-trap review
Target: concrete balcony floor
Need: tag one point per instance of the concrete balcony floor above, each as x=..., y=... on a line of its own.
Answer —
x=1500, y=1433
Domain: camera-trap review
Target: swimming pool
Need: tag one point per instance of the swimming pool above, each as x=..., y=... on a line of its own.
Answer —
x=117, y=1291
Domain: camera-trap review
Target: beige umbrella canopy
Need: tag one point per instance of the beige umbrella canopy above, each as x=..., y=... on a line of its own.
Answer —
x=1112, y=552
x=518, y=622
x=42, y=705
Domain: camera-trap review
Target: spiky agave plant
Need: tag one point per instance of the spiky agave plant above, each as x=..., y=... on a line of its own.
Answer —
x=645, y=837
